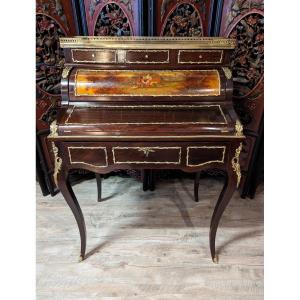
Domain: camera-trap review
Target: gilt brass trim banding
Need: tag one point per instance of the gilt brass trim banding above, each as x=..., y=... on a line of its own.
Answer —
x=135, y=42
x=151, y=106
x=133, y=137
x=199, y=62
x=146, y=150
x=236, y=164
x=209, y=161
x=102, y=60
x=57, y=162
x=148, y=61
x=85, y=163
x=150, y=83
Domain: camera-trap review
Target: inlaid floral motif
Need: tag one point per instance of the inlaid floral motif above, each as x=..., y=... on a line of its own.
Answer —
x=112, y=21
x=184, y=20
x=248, y=57
x=49, y=55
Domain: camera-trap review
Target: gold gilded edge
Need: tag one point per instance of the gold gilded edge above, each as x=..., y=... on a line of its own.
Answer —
x=236, y=164
x=148, y=42
x=53, y=129
x=238, y=128
x=65, y=72
x=227, y=72
x=57, y=162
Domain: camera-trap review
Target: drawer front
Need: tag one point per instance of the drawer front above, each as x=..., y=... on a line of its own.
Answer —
x=94, y=56
x=92, y=156
x=147, y=56
x=202, y=155
x=146, y=155
x=200, y=56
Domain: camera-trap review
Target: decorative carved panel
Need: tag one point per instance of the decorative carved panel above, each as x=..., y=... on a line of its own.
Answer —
x=54, y=18
x=182, y=17
x=111, y=18
x=244, y=21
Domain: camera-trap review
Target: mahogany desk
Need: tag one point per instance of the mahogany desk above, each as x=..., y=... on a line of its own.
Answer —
x=147, y=103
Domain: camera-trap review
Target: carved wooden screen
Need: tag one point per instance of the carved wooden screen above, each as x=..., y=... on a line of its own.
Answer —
x=244, y=21
x=111, y=18
x=54, y=18
x=183, y=17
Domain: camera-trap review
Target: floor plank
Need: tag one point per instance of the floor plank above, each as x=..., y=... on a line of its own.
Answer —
x=149, y=244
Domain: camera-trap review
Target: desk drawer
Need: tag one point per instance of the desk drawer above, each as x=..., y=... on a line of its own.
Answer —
x=147, y=155
x=94, y=56
x=197, y=156
x=95, y=156
x=147, y=56
x=200, y=56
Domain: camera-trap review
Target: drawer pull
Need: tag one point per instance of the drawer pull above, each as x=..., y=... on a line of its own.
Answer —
x=93, y=55
x=200, y=56
x=146, y=56
x=146, y=150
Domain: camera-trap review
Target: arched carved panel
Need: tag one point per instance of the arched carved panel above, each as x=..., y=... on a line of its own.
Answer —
x=111, y=18
x=112, y=21
x=49, y=55
x=183, y=20
x=248, y=57
x=183, y=17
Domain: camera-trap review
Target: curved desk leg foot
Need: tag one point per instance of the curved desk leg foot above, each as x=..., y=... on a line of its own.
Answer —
x=224, y=198
x=196, y=186
x=99, y=187
x=67, y=192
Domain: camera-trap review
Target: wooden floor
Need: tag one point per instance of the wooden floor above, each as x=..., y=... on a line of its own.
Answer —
x=149, y=245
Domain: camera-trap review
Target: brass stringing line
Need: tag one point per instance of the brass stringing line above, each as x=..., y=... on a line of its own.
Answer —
x=57, y=162
x=199, y=62
x=82, y=162
x=141, y=95
x=205, y=147
x=94, y=61
x=145, y=162
x=152, y=106
x=147, y=62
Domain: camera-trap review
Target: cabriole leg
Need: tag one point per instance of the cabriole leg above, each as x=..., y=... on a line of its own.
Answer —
x=67, y=191
x=224, y=198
